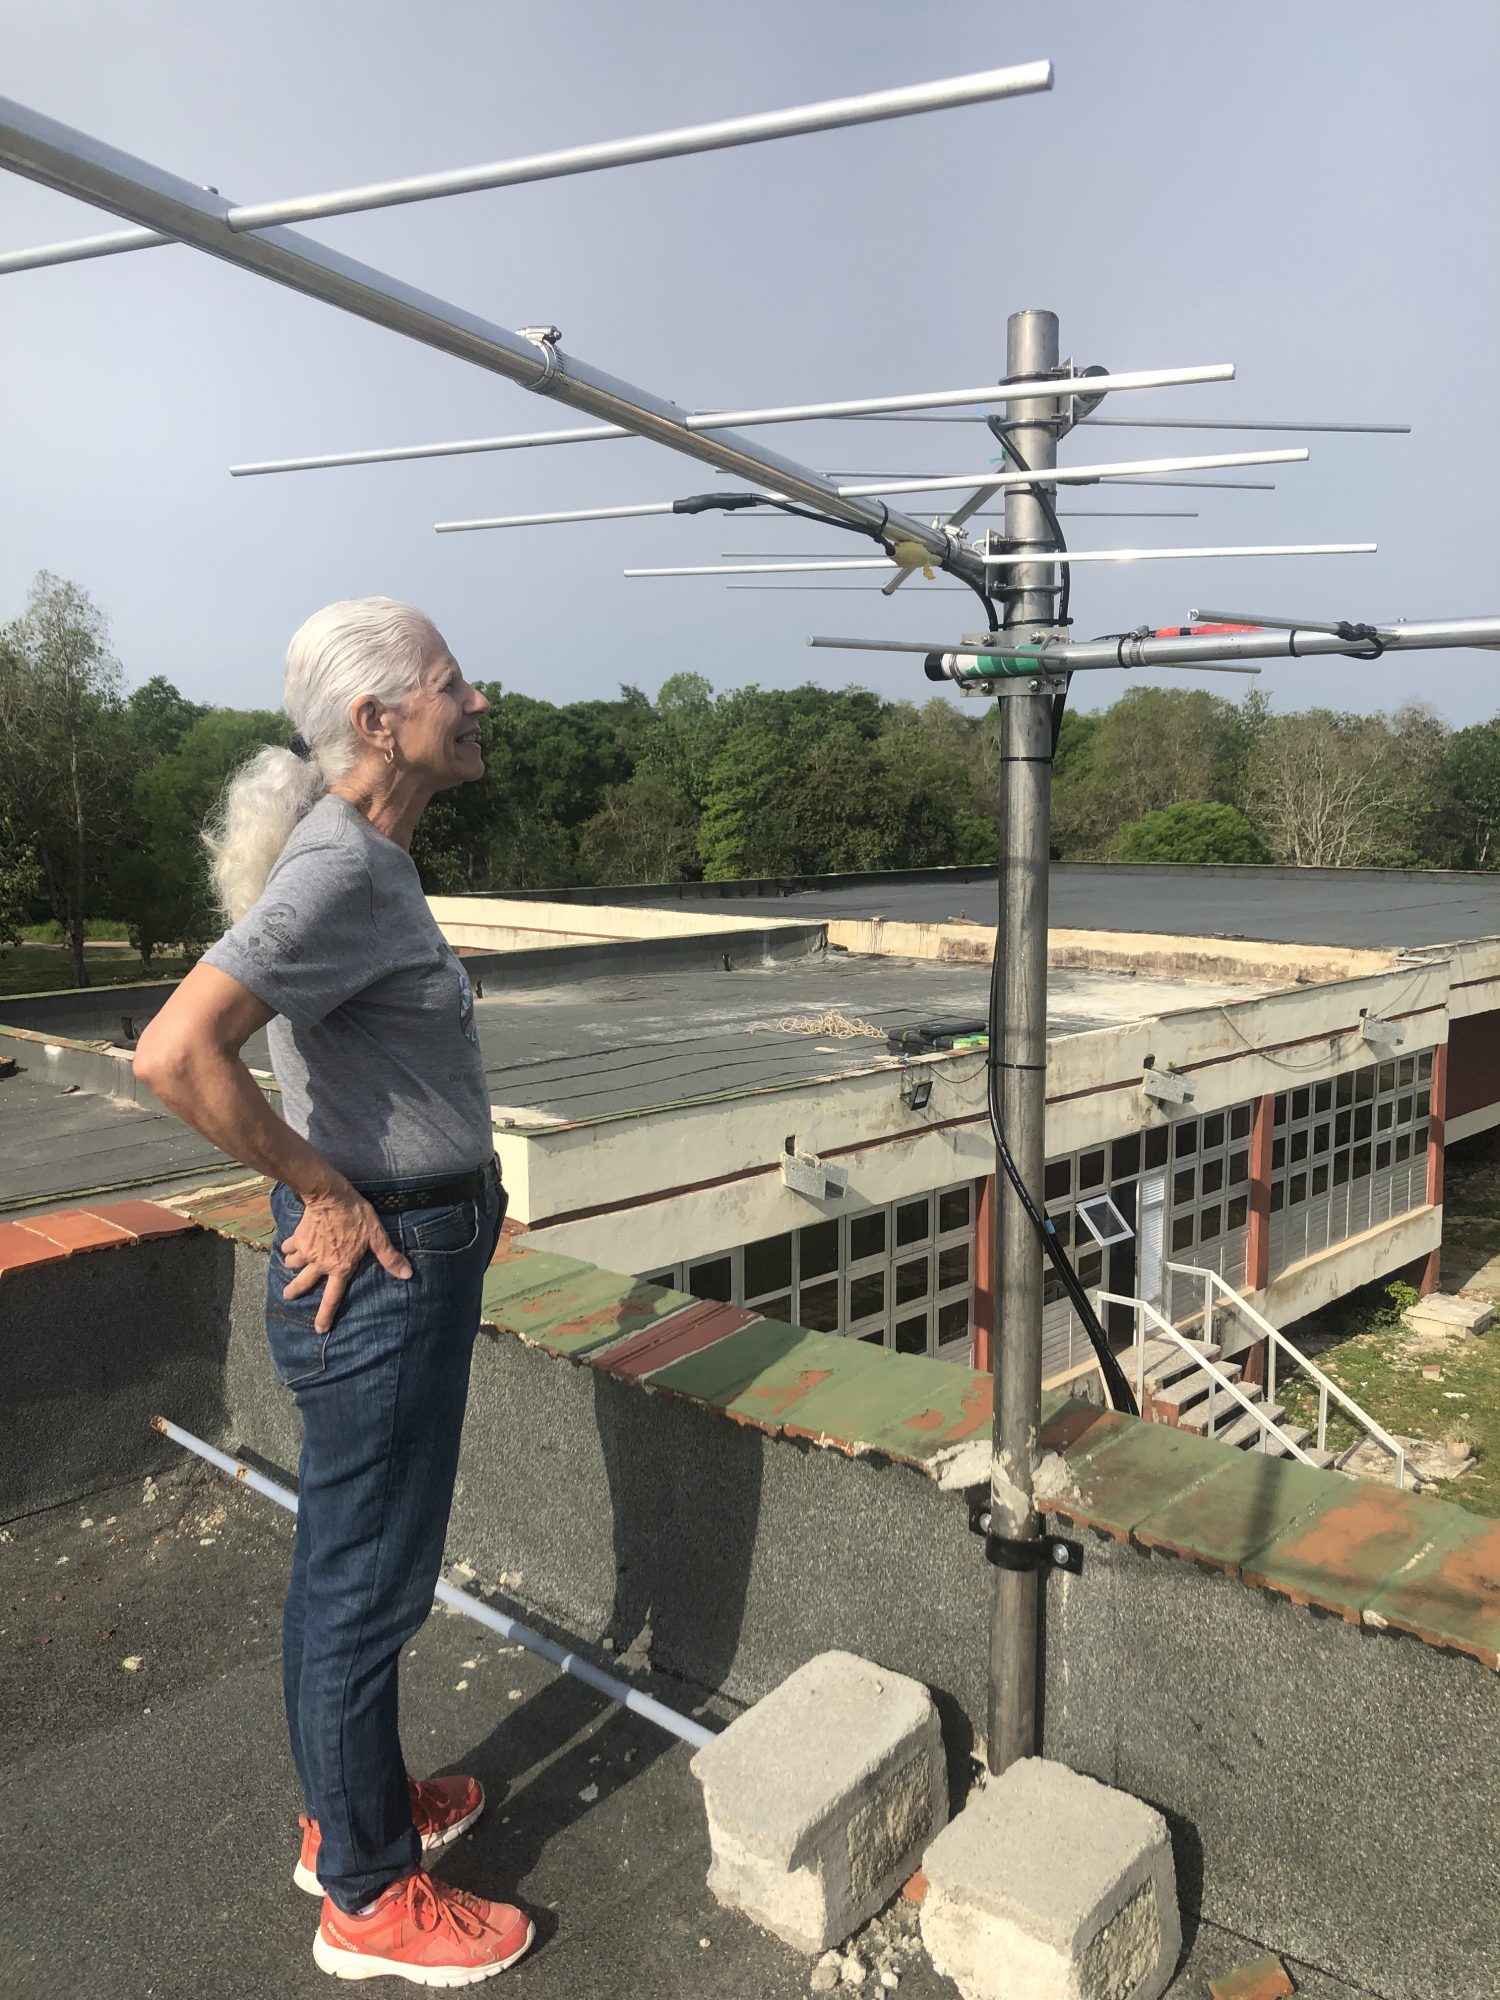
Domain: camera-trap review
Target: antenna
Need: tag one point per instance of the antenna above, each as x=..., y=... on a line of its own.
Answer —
x=1076, y=475
x=983, y=87
x=1025, y=653
x=712, y=420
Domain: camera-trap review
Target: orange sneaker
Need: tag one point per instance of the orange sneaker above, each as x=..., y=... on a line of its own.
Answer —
x=425, y=1931
x=441, y=1809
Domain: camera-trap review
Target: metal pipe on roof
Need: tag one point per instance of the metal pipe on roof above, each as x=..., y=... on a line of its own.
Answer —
x=562, y=1657
x=43, y=150
x=747, y=419
x=832, y=114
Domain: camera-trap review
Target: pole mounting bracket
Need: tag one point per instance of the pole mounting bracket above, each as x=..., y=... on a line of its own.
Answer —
x=1042, y=1553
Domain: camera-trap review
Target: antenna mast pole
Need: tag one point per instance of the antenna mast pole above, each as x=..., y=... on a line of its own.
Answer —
x=1018, y=1049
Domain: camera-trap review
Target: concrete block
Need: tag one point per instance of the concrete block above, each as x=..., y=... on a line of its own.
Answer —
x=1446, y=1312
x=821, y=1798
x=1051, y=1886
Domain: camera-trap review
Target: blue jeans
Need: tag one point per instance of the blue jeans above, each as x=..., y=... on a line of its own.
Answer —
x=382, y=1398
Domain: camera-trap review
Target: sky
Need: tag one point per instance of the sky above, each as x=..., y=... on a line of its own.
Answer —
x=1305, y=190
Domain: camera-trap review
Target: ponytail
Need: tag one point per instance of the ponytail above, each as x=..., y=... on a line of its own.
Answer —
x=364, y=646
x=253, y=821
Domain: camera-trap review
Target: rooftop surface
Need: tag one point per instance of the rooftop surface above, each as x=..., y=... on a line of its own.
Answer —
x=152, y=1809
x=1369, y=909
x=658, y=1036
x=651, y=1034
x=59, y=1143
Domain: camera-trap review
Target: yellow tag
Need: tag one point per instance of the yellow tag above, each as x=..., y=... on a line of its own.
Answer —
x=912, y=555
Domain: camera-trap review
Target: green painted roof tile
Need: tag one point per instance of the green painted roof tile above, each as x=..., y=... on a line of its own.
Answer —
x=1449, y=1596
x=1354, y=1543
x=584, y=1311
x=1123, y=1474
x=1230, y=1516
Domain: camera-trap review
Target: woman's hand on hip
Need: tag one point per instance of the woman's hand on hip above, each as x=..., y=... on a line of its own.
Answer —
x=328, y=1246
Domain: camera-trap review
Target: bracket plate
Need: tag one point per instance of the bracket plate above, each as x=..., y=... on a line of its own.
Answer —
x=1044, y=1554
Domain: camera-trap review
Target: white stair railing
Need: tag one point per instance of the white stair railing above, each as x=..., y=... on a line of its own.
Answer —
x=1218, y=1289
x=1218, y=1382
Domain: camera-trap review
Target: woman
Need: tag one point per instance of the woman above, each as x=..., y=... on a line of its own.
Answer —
x=388, y=1208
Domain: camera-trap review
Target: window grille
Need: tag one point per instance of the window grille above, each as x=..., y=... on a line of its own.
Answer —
x=1347, y=1154
x=900, y=1275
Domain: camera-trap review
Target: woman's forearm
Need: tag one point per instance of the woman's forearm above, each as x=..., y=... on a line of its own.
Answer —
x=212, y=1090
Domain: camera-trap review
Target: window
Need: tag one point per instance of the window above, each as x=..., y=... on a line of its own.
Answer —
x=1368, y=1161
x=900, y=1275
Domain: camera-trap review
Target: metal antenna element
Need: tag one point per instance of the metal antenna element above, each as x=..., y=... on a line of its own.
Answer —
x=836, y=113
x=1272, y=624
x=1170, y=424
x=55, y=155
x=1013, y=561
x=1052, y=657
x=1071, y=475
x=1242, y=424
x=712, y=420
x=997, y=658
x=1176, y=555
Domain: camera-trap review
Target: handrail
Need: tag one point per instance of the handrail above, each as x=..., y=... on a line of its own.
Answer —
x=1217, y=1379
x=1275, y=1338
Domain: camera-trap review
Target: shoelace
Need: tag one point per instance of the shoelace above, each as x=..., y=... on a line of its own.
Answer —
x=434, y=1905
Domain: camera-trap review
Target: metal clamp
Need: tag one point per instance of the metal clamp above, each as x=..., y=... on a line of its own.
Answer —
x=546, y=338
x=1042, y=1553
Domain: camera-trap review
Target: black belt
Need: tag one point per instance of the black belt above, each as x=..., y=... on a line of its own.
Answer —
x=466, y=1187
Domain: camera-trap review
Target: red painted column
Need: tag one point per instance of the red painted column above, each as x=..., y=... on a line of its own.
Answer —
x=1258, y=1235
x=984, y=1274
x=1432, y=1270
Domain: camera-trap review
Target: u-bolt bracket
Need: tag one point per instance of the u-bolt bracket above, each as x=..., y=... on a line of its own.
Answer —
x=1042, y=1553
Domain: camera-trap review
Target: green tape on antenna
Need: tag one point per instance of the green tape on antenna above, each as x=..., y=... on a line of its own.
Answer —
x=1002, y=667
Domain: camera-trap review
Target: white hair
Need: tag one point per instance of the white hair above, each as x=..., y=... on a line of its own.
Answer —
x=362, y=646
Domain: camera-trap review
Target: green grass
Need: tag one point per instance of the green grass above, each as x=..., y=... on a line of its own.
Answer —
x=48, y=969
x=98, y=929
x=1376, y=1361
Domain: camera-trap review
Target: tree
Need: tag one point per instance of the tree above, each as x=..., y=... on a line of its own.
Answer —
x=20, y=882
x=684, y=735
x=1473, y=781
x=161, y=885
x=1316, y=788
x=1192, y=833
x=645, y=831
x=806, y=782
x=160, y=717
x=1153, y=748
x=65, y=756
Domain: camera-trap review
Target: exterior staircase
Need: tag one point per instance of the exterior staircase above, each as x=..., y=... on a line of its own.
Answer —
x=1185, y=1381
x=1180, y=1391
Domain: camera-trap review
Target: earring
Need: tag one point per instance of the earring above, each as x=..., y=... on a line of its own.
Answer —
x=390, y=754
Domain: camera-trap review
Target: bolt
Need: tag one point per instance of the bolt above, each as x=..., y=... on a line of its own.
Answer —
x=1060, y=1554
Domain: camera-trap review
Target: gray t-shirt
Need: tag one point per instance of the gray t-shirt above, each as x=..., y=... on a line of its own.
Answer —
x=374, y=1043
